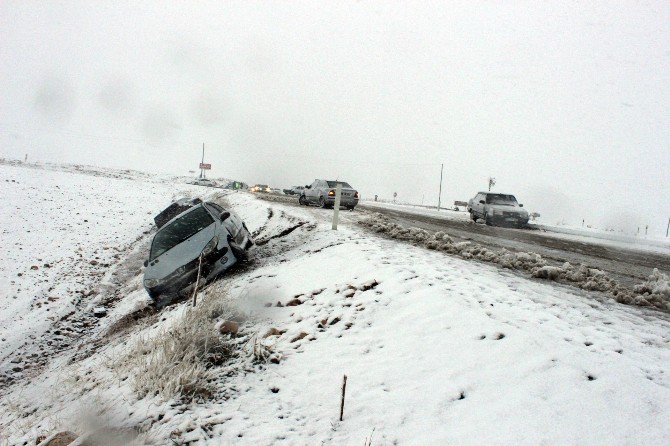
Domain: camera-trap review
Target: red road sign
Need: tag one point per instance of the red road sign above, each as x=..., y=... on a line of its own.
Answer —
x=204, y=166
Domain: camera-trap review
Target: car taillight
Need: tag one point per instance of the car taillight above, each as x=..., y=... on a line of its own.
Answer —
x=331, y=193
x=356, y=195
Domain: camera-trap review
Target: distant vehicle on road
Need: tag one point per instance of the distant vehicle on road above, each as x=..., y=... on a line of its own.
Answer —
x=203, y=182
x=264, y=188
x=206, y=231
x=322, y=193
x=235, y=185
x=497, y=209
x=295, y=190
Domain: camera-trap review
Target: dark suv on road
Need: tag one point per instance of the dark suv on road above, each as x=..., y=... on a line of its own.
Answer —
x=322, y=192
x=497, y=209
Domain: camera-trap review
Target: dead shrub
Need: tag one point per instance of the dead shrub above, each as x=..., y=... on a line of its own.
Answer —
x=179, y=361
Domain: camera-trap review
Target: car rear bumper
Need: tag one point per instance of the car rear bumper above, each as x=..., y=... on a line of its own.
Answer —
x=344, y=201
x=502, y=220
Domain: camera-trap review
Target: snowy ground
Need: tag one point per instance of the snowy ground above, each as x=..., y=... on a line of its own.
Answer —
x=437, y=349
x=60, y=233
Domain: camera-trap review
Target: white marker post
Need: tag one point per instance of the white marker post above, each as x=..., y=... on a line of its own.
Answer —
x=336, y=210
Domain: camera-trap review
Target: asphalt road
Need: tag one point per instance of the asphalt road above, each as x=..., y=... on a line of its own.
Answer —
x=628, y=266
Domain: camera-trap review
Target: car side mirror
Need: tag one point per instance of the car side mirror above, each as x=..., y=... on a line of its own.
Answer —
x=482, y=202
x=146, y=263
x=308, y=187
x=521, y=205
x=225, y=215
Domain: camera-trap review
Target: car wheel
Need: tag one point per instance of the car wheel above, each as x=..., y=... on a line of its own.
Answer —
x=322, y=202
x=302, y=201
x=351, y=208
x=240, y=253
x=473, y=217
x=488, y=220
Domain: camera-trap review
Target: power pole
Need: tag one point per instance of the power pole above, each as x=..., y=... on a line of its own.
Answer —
x=667, y=230
x=439, y=198
x=202, y=171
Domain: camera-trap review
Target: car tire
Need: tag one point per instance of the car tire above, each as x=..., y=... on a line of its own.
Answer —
x=473, y=217
x=322, y=202
x=302, y=201
x=488, y=220
x=351, y=208
x=240, y=253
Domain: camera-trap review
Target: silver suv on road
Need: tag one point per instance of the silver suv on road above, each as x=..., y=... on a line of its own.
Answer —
x=322, y=192
x=497, y=209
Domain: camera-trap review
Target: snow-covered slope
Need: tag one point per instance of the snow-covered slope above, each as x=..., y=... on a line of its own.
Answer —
x=60, y=232
x=437, y=350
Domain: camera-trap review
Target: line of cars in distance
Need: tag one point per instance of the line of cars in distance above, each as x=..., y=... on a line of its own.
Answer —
x=320, y=193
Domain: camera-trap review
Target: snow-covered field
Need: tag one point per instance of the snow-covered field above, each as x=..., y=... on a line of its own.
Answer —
x=437, y=349
x=60, y=232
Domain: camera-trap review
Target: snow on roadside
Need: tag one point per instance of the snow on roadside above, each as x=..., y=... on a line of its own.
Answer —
x=437, y=350
x=581, y=276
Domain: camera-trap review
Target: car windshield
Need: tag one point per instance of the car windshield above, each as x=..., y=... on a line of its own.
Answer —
x=502, y=199
x=334, y=184
x=179, y=230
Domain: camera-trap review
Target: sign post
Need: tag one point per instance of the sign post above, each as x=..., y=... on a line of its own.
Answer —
x=202, y=172
x=439, y=197
x=336, y=207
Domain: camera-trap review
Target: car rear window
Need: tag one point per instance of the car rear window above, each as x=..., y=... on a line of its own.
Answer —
x=179, y=230
x=334, y=184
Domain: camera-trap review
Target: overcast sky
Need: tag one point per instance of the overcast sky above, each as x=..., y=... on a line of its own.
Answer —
x=566, y=104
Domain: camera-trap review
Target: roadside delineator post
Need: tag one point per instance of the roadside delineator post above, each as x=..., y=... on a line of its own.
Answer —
x=344, y=390
x=336, y=206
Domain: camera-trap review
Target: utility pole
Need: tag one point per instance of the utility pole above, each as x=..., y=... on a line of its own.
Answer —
x=439, y=198
x=667, y=230
x=202, y=171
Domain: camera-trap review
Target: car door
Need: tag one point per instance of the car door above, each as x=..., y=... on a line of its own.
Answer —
x=310, y=193
x=479, y=207
x=232, y=224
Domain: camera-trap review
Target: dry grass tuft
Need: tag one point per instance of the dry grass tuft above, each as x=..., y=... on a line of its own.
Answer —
x=179, y=361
